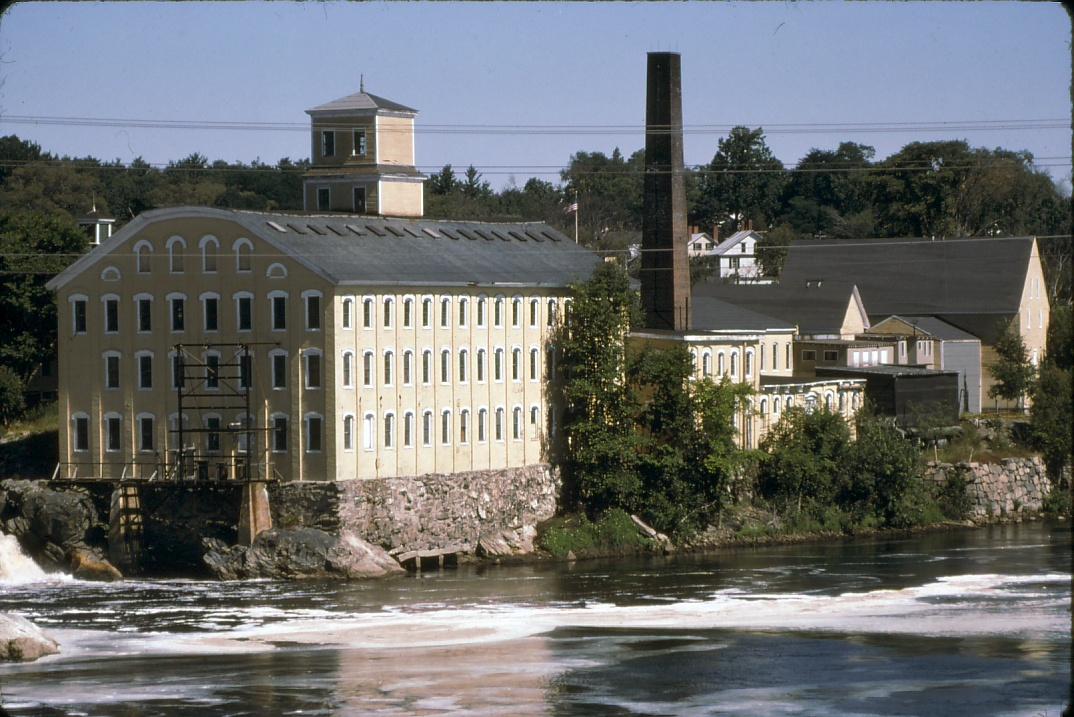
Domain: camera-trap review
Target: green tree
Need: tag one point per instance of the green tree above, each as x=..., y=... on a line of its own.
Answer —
x=609, y=193
x=33, y=247
x=1052, y=415
x=443, y=182
x=772, y=248
x=1011, y=370
x=742, y=184
x=883, y=474
x=473, y=186
x=830, y=193
x=599, y=465
x=12, y=403
x=805, y=461
x=15, y=151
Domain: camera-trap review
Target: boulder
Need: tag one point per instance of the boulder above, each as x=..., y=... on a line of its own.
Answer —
x=23, y=641
x=86, y=565
x=299, y=553
x=48, y=523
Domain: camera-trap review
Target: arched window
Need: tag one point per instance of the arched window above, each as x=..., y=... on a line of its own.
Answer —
x=775, y=357
x=408, y=429
x=389, y=430
x=445, y=312
x=143, y=252
x=426, y=366
x=388, y=303
x=276, y=271
x=734, y=364
x=480, y=367
x=367, y=368
x=535, y=363
x=498, y=427
x=551, y=312
x=482, y=420
x=760, y=360
x=369, y=430
x=764, y=406
x=790, y=402
x=243, y=255
x=426, y=312
x=445, y=366
x=828, y=401
x=497, y=365
x=481, y=301
x=389, y=362
x=516, y=312
x=534, y=311
x=720, y=366
x=516, y=423
x=445, y=426
x=408, y=312
x=516, y=364
x=176, y=252
x=427, y=428
x=367, y=313
x=348, y=368
x=348, y=433
x=706, y=364
x=464, y=357
x=464, y=308
x=775, y=406
x=464, y=425
x=408, y=358
x=348, y=309
x=749, y=363
x=210, y=247
x=535, y=421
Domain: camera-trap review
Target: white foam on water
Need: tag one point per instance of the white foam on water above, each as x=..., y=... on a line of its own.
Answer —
x=15, y=565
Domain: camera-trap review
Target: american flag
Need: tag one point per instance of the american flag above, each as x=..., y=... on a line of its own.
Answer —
x=571, y=208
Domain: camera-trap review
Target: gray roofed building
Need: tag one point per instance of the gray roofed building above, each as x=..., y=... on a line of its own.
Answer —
x=713, y=314
x=936, y=328
x=355, y=249
x=817, y=308
x=360, y=101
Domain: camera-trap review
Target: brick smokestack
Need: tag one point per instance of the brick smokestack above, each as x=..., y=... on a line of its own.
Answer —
x=665, y=271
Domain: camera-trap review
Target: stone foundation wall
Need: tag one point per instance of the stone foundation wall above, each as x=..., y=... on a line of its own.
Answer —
x=1015, y=486
x=497, y=509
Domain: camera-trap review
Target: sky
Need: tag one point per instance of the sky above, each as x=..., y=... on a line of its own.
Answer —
x=575, y=70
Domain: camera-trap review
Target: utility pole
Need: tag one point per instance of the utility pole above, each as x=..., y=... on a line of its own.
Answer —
x=577, y=209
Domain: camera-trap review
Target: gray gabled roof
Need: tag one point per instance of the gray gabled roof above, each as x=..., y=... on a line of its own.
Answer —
x=361, y=101
x=815, y=308
x=358, y=249
x=708, y=313
x=921, y=277
x=936, y=328
x=734, y=240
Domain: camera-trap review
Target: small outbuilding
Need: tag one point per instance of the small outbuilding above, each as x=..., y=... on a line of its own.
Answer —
x=912, y=395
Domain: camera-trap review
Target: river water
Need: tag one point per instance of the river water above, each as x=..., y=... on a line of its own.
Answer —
x=968, y=622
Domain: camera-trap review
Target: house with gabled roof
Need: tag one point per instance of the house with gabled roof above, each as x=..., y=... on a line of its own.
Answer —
x=980, y=286
x=738, y=254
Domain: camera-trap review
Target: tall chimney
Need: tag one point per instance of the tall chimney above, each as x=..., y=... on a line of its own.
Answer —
x=665, y=271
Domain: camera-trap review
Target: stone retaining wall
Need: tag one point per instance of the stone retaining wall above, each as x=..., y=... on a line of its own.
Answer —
x=497, y=510
x=1015, y=486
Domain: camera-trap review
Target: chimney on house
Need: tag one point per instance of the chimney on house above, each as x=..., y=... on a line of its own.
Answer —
x=665, y=271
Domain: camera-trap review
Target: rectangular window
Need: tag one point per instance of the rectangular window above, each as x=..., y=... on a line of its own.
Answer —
x=212, y=438
x=313, y=434
x=279, y=313
x=111, y=371
x=831, y=355
x=279, y=434
x=178, y=314
x=313, y=370
x=78, y=309
x=358, y=146
x=212, y=371
x=324, y=199
x=145, y=371
x=111, y=316
x=145, y=434
x=313, y=313
x=246, y=313
x=81, y=433
x=113, y=432
x=279, y=371
x=809, y=355
x=358, y=200
x=212, y=314
x=145, y=315
x=328, y=143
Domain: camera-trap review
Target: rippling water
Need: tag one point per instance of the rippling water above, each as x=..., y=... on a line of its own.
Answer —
x=959, y=623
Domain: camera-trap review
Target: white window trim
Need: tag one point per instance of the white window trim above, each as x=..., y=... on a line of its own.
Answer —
x=482, y=410
x=450, y=427
x=202, y=244
x=520, y=411
x=387, y=306
x=466, y=426
x=346, y=313
x=104, y=429
x=372, y=304
x=445, y=313
x=446, y=351
x=501, y=414
x=408, y=303
x=499, y=307
x=74, y=432
x=104, y=362
x=481, y=310
x=272, y=369
x=138, y=426
x=138, y=356
x=205, y=358
x=388, y=367
x=499, y=352
x=72, y=299
x=306, y=295
x=408, y=421
x=517, y=377
x=172, y=242
x=464, y=311
x=369, y=431
x=271, y=296
x=306, y=424
x=516, y=301
x=407, y=367
x=104, y=313
x=276, y=270
x=427, y=378
x=535, y=314
x=170, y=298
x=390, y=438
x=432, y=308
x=272, y=432
x=343, y=432
x=235, y=298
x=464, y=365
x=306, y=354
x=427, y=414
x=345, y=380
x=371, y=357
x=138, y=313
x=205, y=314
x=111, y=273
x=236, y=247
x=137, y=251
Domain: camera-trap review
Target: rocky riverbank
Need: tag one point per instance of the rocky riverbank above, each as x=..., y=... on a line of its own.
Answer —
x=23, y=641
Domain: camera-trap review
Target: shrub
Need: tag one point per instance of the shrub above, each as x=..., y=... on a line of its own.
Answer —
x=11, y=398
x=613, y=533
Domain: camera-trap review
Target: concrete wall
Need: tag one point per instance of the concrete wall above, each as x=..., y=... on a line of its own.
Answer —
x=1017, y=485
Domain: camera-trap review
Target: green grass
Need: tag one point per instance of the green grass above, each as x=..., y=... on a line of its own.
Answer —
x=28, y=447
x=614, y=533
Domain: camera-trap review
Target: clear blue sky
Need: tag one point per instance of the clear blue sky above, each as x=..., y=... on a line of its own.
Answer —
x=758, y=64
